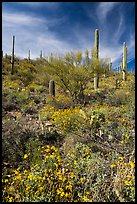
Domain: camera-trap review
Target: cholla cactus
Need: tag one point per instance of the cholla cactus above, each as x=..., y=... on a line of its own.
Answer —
x=12, y=55
x=124, y=62
x=52, y=88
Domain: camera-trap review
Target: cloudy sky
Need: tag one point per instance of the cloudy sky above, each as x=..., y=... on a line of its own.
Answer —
x=60, y=27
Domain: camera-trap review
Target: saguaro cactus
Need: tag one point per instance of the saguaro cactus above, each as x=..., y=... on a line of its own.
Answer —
x=52, y=88
x=41, y=54
x=29, y=56
x=12, y=55
x=87, y=57
x=124, y=62
x=110, y=66
x=96, y=77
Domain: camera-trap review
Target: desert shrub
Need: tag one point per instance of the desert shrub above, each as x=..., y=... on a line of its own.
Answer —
x=50, y=182
x=46, y=112
x=26, y=73
x=124, y=180
x=46, y=174
x=9, y=99
x=36, y=88
x=63, y=101
x=11, y=84
x=14, y=141
x=68, y=119
x=117, y=99
x=29, y=107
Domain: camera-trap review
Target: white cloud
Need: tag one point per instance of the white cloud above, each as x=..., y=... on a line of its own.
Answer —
x=11, y=19
x=27, y=36
x=51, y=5
x=104, y=8
x=31, y=32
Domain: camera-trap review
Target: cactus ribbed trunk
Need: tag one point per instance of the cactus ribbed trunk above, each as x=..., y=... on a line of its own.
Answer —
x=52, y=88
x=12, y=55
x=96, y=77
x=87, y=57
x=29, y=56
x=124, y=62
x=41, y=54
x=110, y=66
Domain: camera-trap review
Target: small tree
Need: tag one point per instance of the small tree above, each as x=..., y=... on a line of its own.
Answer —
x=70, y=78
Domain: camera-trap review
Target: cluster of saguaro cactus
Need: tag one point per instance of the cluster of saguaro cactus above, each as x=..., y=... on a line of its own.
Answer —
x=12, y=55
x=52, y=87
x=124, y=65
x=96, y=77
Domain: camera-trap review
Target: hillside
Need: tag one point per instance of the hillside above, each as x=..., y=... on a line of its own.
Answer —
x=76, y=146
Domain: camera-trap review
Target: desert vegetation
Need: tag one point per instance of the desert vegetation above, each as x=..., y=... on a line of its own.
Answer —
x=68, y=129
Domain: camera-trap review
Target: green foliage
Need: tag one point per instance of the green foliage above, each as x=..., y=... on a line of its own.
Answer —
x=93, y=132
x=70, y=78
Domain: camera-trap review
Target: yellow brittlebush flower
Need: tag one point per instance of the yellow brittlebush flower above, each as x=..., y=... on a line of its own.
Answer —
x=113, y=165
x=132, y=164
x=25, y=156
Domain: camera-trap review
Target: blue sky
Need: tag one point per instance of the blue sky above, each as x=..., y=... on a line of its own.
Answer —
x=60, y=27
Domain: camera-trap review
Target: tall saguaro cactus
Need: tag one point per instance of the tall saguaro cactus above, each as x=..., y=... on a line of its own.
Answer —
x=52, y=88
x=41, y=54
x=87, y=57
x=29, y=56
x=110, y=66
x=96, y=55
x=124, y=62
x=12, y=55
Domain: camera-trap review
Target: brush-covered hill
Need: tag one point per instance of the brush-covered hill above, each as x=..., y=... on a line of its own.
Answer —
x=75, y=146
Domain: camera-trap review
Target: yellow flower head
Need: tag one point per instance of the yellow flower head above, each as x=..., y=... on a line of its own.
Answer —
x=132, y=164
x=128, y=183
x=69, y=186
x=85, y=199
x=121, y=158
x=113, y=165
x=25, y=156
